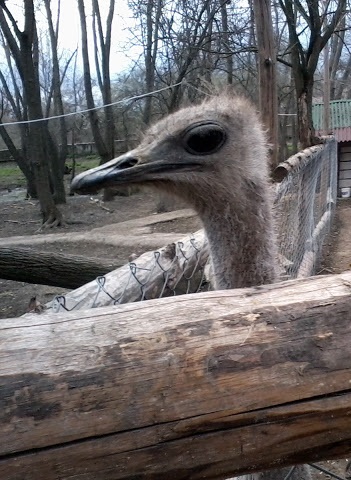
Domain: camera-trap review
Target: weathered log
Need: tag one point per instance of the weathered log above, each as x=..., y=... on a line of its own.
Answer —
x=49, y=268
x=313, y=246
x=298, y=161
x=199, y=386
x=152, y=275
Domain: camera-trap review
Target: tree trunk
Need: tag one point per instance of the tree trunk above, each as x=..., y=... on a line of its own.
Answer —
x=305, y=129
x=38, y=133
x=268, y=95
x=21, y=161
x=56, y=168
x=93, y=116
x=102, y=45
x=25, y=54
x=344, y=81
x=51, y=215
x=31, y=188
x=337, y=44
x=103, y=137
x=16, y=100
x=149, y=64
x=60, y=153
x=48, y=268
x=225, y=40
x=104, y=42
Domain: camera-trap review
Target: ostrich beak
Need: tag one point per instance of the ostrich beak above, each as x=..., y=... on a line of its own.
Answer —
x=133, y=167
x=120, y=170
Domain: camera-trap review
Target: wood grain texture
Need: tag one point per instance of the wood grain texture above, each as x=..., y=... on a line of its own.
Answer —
x=199, y=386
x=146, y=277
x=50, y=268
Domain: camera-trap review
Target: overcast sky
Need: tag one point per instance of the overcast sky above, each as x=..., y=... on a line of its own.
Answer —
x=69, y=36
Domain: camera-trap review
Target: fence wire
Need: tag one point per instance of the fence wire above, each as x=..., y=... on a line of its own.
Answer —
x=305, y=204
x=304, y=207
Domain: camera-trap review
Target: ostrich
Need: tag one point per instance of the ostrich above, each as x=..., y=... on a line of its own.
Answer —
x=213, y=156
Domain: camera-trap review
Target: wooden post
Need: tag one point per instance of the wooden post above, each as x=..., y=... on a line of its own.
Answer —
x=326, y=93
x=326, y=79
x=199, y=386
x=268, y=96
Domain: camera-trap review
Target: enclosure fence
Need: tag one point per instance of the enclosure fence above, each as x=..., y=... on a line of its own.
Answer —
x=305, y=199
x=305, y=203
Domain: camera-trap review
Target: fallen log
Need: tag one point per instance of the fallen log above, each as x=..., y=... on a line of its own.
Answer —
x=176, y=268
x=199, y=386
x=50, y=268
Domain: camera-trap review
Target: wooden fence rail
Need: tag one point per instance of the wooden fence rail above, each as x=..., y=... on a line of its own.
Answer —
x=196, y=386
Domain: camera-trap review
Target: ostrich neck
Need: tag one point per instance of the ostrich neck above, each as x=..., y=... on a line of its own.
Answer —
x=242, y=242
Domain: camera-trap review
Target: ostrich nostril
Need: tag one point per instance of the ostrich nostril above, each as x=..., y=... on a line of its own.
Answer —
x=127, y=163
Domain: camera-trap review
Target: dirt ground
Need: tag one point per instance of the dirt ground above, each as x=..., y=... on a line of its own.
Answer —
x=337, y=251
x=82, y=214
x=22, y=217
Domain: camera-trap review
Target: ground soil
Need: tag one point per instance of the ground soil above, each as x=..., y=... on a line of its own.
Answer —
x=337, y=248
x=82, y=214
x=22, y=217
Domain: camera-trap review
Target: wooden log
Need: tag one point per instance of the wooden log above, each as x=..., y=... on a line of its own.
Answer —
x=152, y=275
x=199, y=386
x=50, y=268
x=297, y=162
x=313, y=246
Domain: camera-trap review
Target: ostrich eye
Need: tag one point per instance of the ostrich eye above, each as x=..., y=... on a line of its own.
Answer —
x=204, y=139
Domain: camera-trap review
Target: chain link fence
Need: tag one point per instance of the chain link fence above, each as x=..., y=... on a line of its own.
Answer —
x=305, y=199
x=305, y=203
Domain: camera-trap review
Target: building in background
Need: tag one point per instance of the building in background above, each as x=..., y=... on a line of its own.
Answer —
x=340, y=126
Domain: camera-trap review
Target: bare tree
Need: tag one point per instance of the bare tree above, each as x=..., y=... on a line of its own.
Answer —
x=11, y=92
x=310, y=27
x=102, y=43
x=226, y=42
x=93, y=116
x=197, y=34
x=153, y=15
x=103, y=129
x=24, y=49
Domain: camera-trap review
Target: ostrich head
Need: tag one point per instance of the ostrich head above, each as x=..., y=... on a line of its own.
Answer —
x=214, y=150
x=213, y=156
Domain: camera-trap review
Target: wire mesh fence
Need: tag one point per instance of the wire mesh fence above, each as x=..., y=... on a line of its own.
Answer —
x=305, y=201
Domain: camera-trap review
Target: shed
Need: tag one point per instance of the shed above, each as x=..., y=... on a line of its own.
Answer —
x=340, y=125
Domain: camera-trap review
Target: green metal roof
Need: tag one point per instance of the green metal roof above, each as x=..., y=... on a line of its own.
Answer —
x=340, y=113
